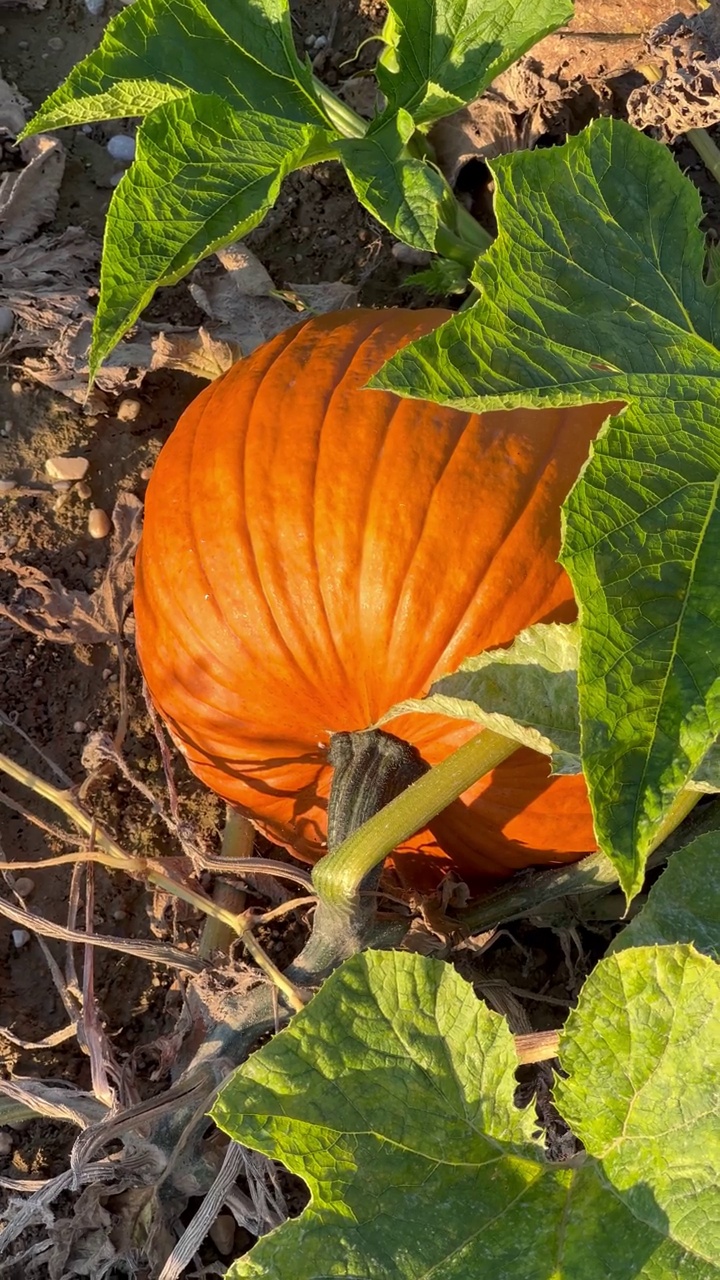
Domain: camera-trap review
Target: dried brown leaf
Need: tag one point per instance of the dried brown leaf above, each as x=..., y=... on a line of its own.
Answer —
x=29, y=197
x=685, y=52
x=13, y=110
x=46, y=608
x=234, y=289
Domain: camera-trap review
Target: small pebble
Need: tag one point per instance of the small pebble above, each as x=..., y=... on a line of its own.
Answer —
x=6, y=1142
x=62, y=486
x=56, y=44
x=129, y=409
x=83, y=489
x=16, y=387
x=122, y=147
x=79, y=726
x=146, y=473
x=20, y=937
x=222, y=1233
x=116, y=179
x=119, y=915
x=7, y=320
x=310, y=42
x=95, y=7
x=410, y=257
x=7, y=486
x=86, y=128
x=23, y=44
x=59, y=468
x=99, y=523
x=24, y=886
x=320, y=42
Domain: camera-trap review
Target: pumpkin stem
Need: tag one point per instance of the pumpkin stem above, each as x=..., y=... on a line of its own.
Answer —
x=371, y=768
x=339, y=876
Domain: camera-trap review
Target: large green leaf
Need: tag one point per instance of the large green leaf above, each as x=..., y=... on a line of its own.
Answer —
x=643, y=1067
x=391, y=1095
x=158, y=50
x=440, y=54
x=684, y=904
x=204, y=175
x=594, y=292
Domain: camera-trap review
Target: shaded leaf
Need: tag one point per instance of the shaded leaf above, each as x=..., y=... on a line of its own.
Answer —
x=684, y=904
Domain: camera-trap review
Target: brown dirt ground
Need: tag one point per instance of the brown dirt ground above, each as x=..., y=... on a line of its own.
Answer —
x=58, y=693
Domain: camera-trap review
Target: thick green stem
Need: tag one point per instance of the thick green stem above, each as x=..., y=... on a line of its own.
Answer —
x=707, y=150
x=470, y=231
x=347, y=122
x=466, y=239
x=338, y=877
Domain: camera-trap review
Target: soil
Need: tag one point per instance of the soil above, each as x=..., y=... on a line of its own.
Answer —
x=56, y=694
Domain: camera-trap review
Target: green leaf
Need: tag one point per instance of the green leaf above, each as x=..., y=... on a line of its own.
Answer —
x=159, y=50
x=442, y=277
x=641, y=1053
x=405, y=194
x=527, y=692
x=594, y=292
x=391, y=1095
x=204, y=175
x=684, y=904
x=441, y=54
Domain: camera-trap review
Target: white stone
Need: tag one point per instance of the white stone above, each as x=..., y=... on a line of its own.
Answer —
x=129, y=409
x=59, y=468
x=122, y=147
x=99, y=523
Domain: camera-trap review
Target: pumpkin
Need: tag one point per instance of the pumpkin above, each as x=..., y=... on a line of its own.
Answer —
x=315, y=552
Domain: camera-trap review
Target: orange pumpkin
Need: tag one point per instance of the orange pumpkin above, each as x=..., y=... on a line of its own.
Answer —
x=314, y=553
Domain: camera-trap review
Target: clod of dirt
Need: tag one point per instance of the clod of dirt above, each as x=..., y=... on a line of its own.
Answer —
x=684, y=55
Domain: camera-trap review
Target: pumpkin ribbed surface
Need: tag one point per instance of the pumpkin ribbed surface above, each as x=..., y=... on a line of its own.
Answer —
x=314, y=553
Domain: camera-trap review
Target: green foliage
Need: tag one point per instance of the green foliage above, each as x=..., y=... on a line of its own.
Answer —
x=441, y=277
x=594, y=291
x=438, y=51
x=392, y=1096
x=230, y=109
x=684, y=904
